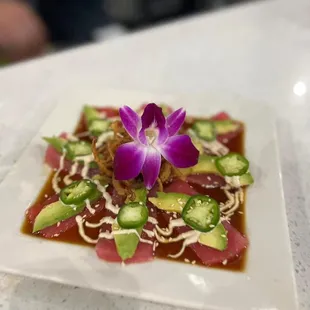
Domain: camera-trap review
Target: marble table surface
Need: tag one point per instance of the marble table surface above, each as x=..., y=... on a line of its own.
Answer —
x=260, y=51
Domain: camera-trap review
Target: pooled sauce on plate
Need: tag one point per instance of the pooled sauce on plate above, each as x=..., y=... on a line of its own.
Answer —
x=162, y=250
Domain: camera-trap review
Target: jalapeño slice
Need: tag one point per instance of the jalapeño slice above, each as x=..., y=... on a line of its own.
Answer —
x=232, y=164
x=202, y=213
x=77, y=192
x=205, y=130
x=132, y=215
x=78, y=148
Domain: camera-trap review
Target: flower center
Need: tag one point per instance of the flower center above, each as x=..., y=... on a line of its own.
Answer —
x=151, y=135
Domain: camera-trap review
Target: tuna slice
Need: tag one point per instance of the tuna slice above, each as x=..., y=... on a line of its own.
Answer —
x=209, y=256
x=236, y=245
x=221, y=116
x=54, y=231
x=207, y=180
x=179, y=186
x=225, y=138
x=106, y=248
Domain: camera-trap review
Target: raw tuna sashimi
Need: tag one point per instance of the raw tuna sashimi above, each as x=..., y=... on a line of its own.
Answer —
x=206, y=180
x=55, y=230
x=109, y=112
x=106, y=248
x=221, y=116
x=179, y=186
x=236, y=245
x=225, y=138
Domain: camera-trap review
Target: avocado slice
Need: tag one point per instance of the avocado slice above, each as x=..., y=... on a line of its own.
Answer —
x=56, y=142
x=198, y=145
x=206, y=164
x=246, y=179
x=90, y=113
x=57, y=212
x=140, y=194
x=223, y=127
x=126, y=244
x=171, y=202
x=242, y=180
x=54, y=213
x=216, y=238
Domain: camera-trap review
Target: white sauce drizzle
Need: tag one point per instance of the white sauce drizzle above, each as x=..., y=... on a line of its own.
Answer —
x=190, y=238
x=79, y=220
x=233, y=181
x=108, y=204
x=73, y=170
x=131, y=231
x=215, y=146
x=105, y=235
x=56, y=188
x=173, y=223
x=104, y=220
x=152, y=220
x=71, y=137
x=149, y=233
x=89, y=207
x=103, y=138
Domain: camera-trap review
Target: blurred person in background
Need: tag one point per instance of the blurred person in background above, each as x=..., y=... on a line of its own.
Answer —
x=29, y=28
x=22, y=33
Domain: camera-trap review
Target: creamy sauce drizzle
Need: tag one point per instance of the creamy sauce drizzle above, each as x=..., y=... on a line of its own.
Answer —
x=152, y=220
x=56, y=188
x=216, y=147
x=108, y=204
x=104, y=220
x=67, y=179
x=173, y=223
x=233, y=181
x=71, y=137
x=131, y=231
x=103, y=138
x=189, y=239
x=89, y=207
x=79, y=220
x=149, y=233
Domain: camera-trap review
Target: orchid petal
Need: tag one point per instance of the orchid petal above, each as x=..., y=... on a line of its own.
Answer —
x=151, y=167
x=175, y=121
x=130, y=120
x=153, y=117
x=129, y=160
x=180, y=151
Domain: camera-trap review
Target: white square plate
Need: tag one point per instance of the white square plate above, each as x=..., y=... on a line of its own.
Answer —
x=267, y=282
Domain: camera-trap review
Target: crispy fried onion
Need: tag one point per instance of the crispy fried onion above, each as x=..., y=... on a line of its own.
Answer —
x=104, y=156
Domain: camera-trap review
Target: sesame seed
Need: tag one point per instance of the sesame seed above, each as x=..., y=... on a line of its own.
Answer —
x=152, y=210
x=45, y=196
x=186, y=260
x=193, y=262
x=223, y=236
x=224, y=262
x=240, y=212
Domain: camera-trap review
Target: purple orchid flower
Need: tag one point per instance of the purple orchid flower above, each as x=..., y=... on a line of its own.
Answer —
x=153, y=136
